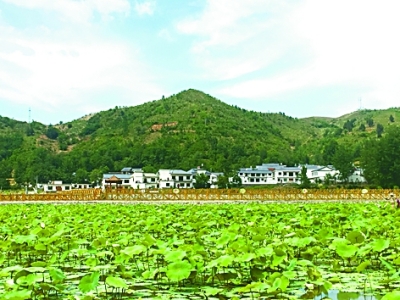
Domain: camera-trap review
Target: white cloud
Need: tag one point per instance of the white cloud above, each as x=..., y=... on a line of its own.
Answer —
x=50, y=73
x=354, y=41
x=145, y=8
x=298, y=45
x=234, y=38
x=77, y=11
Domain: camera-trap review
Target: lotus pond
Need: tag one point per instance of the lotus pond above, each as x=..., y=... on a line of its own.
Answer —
x=210, y=251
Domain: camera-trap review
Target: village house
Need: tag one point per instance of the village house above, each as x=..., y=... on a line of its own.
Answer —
x=265, y=174
x=271, y=173
x=59, y=186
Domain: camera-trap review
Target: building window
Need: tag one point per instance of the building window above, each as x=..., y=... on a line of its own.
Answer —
x=167, y=184
x=67, y=188
x=180, y=178
x=126, y=181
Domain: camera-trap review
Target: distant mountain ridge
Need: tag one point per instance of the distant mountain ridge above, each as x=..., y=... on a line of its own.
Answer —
x=181, y=131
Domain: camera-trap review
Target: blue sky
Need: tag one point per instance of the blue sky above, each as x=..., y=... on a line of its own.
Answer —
x=64, y=59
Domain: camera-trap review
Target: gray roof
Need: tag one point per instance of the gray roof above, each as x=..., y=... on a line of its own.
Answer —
x=323, y=167
x=120, y=176
x=129, y=169
x=270, y=165
x=311, y=167
x=297, y=169
x=255, y=171
x=176, y=172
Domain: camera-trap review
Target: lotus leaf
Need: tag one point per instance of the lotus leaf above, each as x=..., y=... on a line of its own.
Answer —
x=174, y=255
x=224, y=260
x=212, y=291
x=178, y=271
x=379, y=245
x=89, y=282
x=17, y=295
x=116, y=282
x=355, y=237
x=361, y=267
x=395, y=295
x=57, y=275
x=134, y=250
x=346, y=251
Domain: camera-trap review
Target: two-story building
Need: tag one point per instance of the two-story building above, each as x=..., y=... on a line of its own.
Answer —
x=271, y=173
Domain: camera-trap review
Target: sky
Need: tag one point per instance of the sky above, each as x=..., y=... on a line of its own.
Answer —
x=63, y=59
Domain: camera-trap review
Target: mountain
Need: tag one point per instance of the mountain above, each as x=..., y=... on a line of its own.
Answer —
x=183, y=131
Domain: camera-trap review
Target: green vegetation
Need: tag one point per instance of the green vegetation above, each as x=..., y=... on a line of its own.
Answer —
x=183, y=131
x=380, y=158
x=182, y=251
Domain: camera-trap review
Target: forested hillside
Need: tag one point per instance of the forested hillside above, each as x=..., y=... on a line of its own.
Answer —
x=182, y=131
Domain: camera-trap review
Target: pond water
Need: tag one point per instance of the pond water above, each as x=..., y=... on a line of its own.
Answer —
x=337, y=295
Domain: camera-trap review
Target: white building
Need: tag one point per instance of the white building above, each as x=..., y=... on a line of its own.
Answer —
x=59, y=186
x=357, y=176
x=142, y=180
x=318, y=173
x=265, y=174
x=213, y=181
x=182, y=179
x=165, y=180
x=272, y=173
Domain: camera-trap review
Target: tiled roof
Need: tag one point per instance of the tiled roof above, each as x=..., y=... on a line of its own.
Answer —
x=180, y=172
x=120, y=176
x=254, y=171
x=128, y=169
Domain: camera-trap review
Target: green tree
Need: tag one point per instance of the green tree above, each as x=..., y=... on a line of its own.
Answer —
x=380, y=159
x=81, y=176
x=223, y=182
x=370, y=121
x=343, y=162
x=329, y=151
x=362, y=127
x=52, y=132
x=236, y=181
x=379, y=130
x=304, y=180
x=201, y=181
x=29, y=130
x=4, y=184
x=95, y=176
x=391, y=118
x=349, y=124
x=149, y=169
x=328, y=179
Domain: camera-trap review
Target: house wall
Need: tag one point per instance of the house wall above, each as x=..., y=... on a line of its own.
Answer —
x=58, y=186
